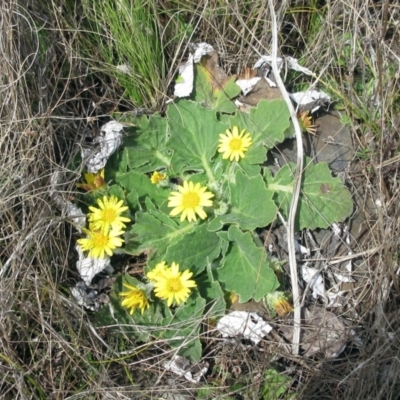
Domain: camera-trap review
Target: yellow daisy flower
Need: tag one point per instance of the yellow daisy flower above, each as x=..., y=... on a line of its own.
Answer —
x=174, y=286
x=134, y=298
x=157, y=177
x=157, y=272
x=92, y=181
x=190, y=201
x=99, y=243
x=233, y=145
x=108, y=215
x=305, y=121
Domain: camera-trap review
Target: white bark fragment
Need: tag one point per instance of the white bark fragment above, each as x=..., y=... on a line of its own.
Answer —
x=241, y=323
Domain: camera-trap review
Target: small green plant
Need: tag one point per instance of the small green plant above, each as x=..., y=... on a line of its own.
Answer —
x=122, y=40
x=275, y=386
x=196, y=190
x=363, y=154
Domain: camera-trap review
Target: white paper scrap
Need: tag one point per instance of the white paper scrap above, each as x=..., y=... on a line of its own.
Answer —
x=293, y=64
x=313, y=275
x=85, y=296
x=343, y=278
x=200, y=50
x=75, y=214
x=185, y=87
x=271, y=83
x=337, y=230
x=73, y=211
x=238, y=103
x=247, y=84
x=268, y=60
x=310, y=97
x=103, y=146
x=88, y=267
x=335, y=299
x=301, y=249
x=241, y=323
x=182, y=367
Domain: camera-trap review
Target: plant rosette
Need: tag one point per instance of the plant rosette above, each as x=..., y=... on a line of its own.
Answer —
x=196, y=193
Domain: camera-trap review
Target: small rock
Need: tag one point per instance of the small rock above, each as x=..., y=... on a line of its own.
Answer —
x=333, y=142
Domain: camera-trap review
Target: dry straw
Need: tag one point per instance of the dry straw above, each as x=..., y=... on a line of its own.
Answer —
x=50, y=100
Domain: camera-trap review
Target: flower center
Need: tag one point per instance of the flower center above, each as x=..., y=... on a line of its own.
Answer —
x=99, y=240
x=137, y=295
x=190, y=200
x=235, y=144
x=109, y=215
x=174, y=285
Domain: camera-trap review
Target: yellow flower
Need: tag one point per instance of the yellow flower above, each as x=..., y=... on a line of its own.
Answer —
x=174, y=286
x=306, y=124
x=280, y=302
x=108, y=215
x=283, y=307
x=134, y=298
x=233, y=144
x=92, y=181
x=190, y=201
x=98, y=243
x=232, y=298
x=157, y=177
x=157, y=272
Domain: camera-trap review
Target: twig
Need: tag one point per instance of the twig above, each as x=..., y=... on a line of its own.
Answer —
x=296, y=187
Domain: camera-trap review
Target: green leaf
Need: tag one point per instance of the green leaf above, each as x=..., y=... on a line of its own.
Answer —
x=211, y=291
x=274, y=385
x=245, y=269
x=195, y=250
x=224, y=94
x=155, y=231
x=224, y=242
x=145, y=145
x=116, y=191
x=211, y=93
x=181, y=326
x=251, y=204
x=116, y=163
x=266, y=123
x=141, y=326
x=194, y=137
x=323, y=199
x=183, y=329
x=133, y=201
x=143, y=187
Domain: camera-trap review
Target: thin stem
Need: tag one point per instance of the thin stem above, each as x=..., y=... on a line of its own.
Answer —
x=296, y=187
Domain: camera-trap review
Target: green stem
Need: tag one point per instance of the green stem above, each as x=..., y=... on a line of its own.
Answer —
x=208, y=170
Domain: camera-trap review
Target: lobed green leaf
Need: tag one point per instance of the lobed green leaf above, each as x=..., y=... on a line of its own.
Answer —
x=323, y=199
x=145, y=144
x=212, y=94
x=143, y=187
x=251, y=204
x=154, y=232
x=195, y=250
x=194, y=137
x=245, y=269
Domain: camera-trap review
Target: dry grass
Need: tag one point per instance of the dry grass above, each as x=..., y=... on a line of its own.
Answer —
x=48, y=347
